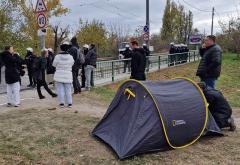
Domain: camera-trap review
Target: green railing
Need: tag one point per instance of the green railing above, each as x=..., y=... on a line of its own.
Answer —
x=121, y=68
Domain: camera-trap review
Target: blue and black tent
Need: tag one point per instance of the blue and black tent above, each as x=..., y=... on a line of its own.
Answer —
x=155, y=116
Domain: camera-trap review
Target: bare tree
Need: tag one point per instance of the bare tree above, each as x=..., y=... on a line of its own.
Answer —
x=60, y=34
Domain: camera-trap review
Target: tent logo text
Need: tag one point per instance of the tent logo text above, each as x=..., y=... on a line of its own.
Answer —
x=178, y=122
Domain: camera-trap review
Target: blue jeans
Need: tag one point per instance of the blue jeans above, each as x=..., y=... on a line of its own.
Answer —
x=88, y=70
x=64, y=90
x=210, y=82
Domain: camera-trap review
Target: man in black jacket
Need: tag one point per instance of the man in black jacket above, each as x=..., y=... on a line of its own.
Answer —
x=75, y=52
x=147, y=53
x=209, y=68
x=90, y=65
x=40, y=65
x=138, y=62
x=29, y=58
x=127, y=55
x=12, y=76
x=219, y=107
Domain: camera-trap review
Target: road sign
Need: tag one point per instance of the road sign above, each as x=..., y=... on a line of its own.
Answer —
x=41, y=20
x=146, y=29
x=40, y=7
x=195, y=39
x=145, y=36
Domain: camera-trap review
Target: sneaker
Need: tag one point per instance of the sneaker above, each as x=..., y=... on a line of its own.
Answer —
x=69, y=105
x=9, y=105
x=54, y=95
x=16, y=105
x=232, y=124
x=42, y=97
x=29, y=85
x=88, y=89
x=61, y=105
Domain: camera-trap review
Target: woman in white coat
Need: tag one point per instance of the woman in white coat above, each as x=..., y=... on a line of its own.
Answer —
x=63, y=63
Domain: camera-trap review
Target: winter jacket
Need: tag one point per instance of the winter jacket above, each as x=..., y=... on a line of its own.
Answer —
x=63, y=63
x=29, y=59
x=75, y=52
x=210, y=64
x=91, y=57
x=127, y=54
x=138, y=64
x=218, y=106
x=39, y=73
x=147, y=51
x=50, y=68
x=12, y=73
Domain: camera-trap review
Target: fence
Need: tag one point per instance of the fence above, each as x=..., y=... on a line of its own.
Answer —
x=117, y=69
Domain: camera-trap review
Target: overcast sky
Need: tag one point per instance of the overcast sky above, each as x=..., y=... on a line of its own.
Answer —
x=132, y=12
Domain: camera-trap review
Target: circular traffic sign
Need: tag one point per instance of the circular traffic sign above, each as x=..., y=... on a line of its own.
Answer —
x=146, y=29
x=41, y=20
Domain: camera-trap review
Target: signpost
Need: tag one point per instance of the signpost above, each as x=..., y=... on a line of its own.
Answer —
x=41, y=21
x=195, y=39
x=146, y=33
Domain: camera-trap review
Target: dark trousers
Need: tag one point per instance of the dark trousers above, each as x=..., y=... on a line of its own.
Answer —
x=76, y=83
x=32, y=80
x=127, y=64
x=43, y=83
x=84, y=78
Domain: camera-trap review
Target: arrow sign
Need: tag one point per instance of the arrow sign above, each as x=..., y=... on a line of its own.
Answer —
x=40, y=7
x=41, y=20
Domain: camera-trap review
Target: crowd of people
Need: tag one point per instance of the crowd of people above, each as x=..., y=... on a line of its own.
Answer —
x=60, y=69
x=178, y=54
x=63, y=69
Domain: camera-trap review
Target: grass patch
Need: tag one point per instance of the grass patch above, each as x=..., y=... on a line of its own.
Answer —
x=228, y=83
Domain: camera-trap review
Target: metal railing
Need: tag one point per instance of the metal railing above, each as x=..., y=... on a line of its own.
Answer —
x=120, y=68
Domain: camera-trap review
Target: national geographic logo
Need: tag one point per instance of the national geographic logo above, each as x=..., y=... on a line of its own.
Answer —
x=178, y=122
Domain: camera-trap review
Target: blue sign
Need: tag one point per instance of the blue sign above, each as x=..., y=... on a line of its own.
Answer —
x=146, y=29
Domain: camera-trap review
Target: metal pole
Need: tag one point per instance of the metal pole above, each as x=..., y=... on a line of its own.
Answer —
x=148, y=21
x=42, y=42
x=213, y=11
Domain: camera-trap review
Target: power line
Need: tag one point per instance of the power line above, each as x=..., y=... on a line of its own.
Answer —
x=196, y=7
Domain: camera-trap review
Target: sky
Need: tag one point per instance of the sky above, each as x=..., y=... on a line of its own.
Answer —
x=132, y=13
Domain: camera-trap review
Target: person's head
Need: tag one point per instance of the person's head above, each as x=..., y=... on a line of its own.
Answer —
x=30, y=50
x=127, y=47
x=134, y=44
x=65, y=46
x=44, y=52
x=144, y=45
x=86, y=47
x=210, y=40
x=9, y=49
x=74, y=41
x=92, y=46
x=50, y=50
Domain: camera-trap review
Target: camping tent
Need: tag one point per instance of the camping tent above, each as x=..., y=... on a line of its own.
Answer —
x=155, y=116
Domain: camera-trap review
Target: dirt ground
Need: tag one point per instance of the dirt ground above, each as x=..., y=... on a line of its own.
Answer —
x=37, y=133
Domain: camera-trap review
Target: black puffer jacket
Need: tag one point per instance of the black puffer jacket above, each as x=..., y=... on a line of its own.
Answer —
x=91, y=57
x=210, y=64
x=138, y=64
x=127, y=53
x=218, y=106
x=12, y=73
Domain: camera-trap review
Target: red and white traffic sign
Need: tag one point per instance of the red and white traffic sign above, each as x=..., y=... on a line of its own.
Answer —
x=41, y=6
x=146, y=36
x=42, y=20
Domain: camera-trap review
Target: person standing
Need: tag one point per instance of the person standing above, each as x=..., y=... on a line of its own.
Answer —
x=29, y=58
x=12, y=76
x=147, y=53
x=209, y=69
x=63, y=77
x=85, y=52
x=127, y=56
x=138, y=63
x=75, y=52
x=90, y=65
x=40, y=65
x=50, y=67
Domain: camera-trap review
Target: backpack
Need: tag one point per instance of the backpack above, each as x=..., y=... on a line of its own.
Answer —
x=80, y=59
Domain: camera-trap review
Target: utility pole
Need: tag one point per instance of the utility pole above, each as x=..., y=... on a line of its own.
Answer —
x=213, y=12
x=148, y=22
